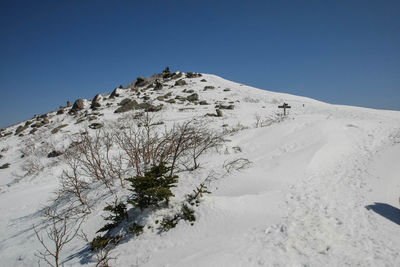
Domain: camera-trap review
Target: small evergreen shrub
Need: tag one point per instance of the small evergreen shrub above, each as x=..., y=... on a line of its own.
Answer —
x=99, y=242
x=136, y=229
x=194, y=198
x=169, y=223
x=119, y=213
x=152, y=188
x=187, y=214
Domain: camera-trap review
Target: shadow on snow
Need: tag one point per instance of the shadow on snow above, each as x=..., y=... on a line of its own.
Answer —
x=389, y=212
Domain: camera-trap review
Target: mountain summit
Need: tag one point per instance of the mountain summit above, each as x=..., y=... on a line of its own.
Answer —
x=190, y=169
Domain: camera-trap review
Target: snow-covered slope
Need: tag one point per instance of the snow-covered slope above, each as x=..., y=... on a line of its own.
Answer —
x=322, y=186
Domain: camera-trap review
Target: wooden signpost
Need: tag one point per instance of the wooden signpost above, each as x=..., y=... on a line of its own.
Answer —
x=284, y=106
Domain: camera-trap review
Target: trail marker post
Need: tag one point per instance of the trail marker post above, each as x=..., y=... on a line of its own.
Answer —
x=284, y=106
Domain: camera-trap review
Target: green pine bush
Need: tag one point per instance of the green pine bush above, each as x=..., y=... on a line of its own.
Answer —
x=119, y=213
x=152, y=188
x=99, y=242
x=187, y=214
x=136, y=229
x=169, y=222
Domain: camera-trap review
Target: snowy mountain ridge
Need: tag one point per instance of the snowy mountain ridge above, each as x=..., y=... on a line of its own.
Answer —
x=317, y=187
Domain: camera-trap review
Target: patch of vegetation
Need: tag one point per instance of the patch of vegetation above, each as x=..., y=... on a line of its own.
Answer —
x=152, y=188
x=99, y=242
x=187, y=214
x=136, y=229
x=169, y=222
x=118, y=214
x=194, y=198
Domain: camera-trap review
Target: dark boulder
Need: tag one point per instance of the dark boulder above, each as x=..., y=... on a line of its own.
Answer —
x=180, y=82
x=193, y=97
x=140, y=82
x=5, y=166
x=124, y=102
x=150, y=108
x=95, y=105
x=192, y=75
x=127, y=105
x=181, y=98
x=114, y=93
x=176, y=75
x=158, y=86
x=220, y=106
x=208, y=87
x=96, y=125
x=58, y=128
x=20, y=129
x=78, y=105
x=97, y=98
x=54, y=154
x=38, y=124
x=96, y=102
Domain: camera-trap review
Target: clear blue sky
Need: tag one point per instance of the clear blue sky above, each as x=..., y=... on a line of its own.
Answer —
x=343, y=52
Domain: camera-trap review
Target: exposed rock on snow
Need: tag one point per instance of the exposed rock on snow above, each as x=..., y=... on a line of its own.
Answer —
x=78, y=105
x=54, y=154
x=5, y=166
x=96, y=102
x=193, y=97
x=158, y=86
x=96, y=125
x=180, y=82
x=115, y=93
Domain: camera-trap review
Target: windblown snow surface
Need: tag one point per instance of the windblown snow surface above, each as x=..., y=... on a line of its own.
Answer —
x=322, y=188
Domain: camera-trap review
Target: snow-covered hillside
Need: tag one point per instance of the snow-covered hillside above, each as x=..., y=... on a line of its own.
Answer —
x=319, y=187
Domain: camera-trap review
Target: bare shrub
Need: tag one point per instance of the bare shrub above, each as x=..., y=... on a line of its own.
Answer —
x=234, y=129
x=92, y=159
x=267, y=120
x=103, y=257
x=143, y=145
x=115, y=163
x=60, y=230
x=146, y=147
x=236, y=164
x=257, y=117
x=249, y=99
x=181, y=141
x=202, y=139
x=72, y=184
